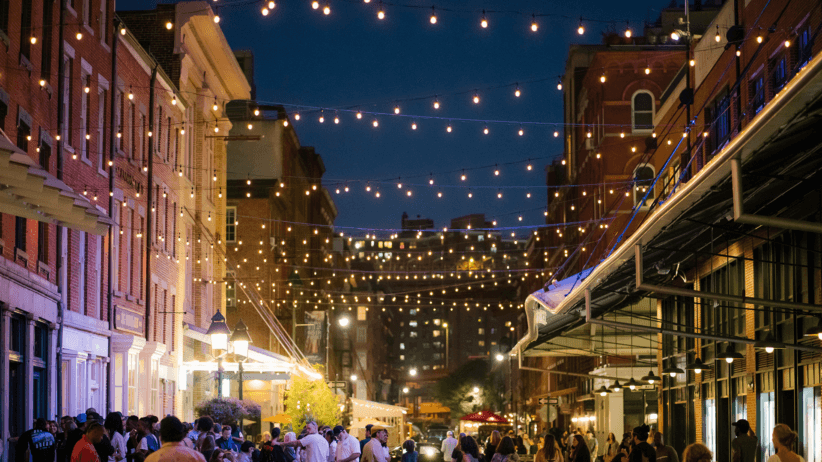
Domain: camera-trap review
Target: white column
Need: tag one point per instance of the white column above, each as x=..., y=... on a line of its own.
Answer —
x=124, y=347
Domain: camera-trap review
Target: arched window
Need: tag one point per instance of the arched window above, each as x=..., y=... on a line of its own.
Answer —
x=643, y=178
x=642, y=111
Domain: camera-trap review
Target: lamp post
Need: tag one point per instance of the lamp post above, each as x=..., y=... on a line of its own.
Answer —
x=240, y=340
x=219, y=332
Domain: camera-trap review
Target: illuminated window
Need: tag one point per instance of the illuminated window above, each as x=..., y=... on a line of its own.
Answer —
x=361, y=313
x=642, y=109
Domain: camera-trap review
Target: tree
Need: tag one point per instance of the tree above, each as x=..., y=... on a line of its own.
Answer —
x=311, y=400
x=456, y=390
x=228, y=410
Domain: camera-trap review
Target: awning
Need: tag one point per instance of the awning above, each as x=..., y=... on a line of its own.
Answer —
x=779, y=154
x=485, y=416
x=28, y=191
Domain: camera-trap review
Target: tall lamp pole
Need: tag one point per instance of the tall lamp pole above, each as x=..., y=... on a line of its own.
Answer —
x=240, y=340
x=219, y=332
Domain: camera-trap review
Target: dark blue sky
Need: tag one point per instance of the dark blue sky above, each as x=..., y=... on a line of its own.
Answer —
x=351, y=58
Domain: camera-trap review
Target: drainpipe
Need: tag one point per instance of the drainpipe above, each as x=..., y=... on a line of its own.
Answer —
x=741, y=217
x=111, y=235
x=668, y=290
x=59, y=232
x=150, y=196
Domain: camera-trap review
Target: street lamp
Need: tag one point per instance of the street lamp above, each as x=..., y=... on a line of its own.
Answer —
x=405, y=389
x=412, y=372
x=500, y=357
x=353, y=377
x=240, y=340
x=344, y=321
x=219, y=332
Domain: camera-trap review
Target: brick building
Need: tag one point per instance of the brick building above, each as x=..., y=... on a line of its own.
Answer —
x=715, y=285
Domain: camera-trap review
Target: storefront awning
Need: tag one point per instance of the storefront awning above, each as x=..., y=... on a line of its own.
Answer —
x=485, y=416
x=780, y=164
x=28, y=191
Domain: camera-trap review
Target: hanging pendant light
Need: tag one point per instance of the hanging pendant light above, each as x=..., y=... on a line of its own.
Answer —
x=697, y=366
x=729, y=355
x=672, y=371
x=769, y=343
x=602, y=391
x=651, y=378
x=632, y=384
x=615, y=387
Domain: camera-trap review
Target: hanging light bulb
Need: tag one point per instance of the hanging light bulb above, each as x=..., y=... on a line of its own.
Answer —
x=315, y=4
x=433, y=18
x=264, y=11
x=628, y=32
x=169, y=25
x=296, y=116
x=470, y=194
x=534, y=25
x=173, y=100
x=485, y=130
x=521, y=131
x=787, y=43
x=336, y=119
x=484, y=21
x=436, y=103
x=462, y=177
x=380, y=12
x=556, y=133
x=581, y=28
x=647, y=69
x=602, y=78
x=322, y=117
x=216, y=18
x=692, y=62
x=413, y=125
x=476, y=97
x=717, y=37
x=448, y=128
x=622, y=134
x=359, y=115
x=33, y=40
x=79, y=35
x=215, y=106
x=759, y=38
x=375, y=123
x=327, y=9
x=559, y=85
x=517, y=93
x=271, y=4
x=396, y=109
x=130, y=94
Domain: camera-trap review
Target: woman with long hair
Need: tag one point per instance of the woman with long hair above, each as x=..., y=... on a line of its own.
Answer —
x=470, y=450
x=550, y=451
x=491, y=447
x=611, y=447
x=579, y=450
x=783, y=440
x=506, y=452
x=114, y=430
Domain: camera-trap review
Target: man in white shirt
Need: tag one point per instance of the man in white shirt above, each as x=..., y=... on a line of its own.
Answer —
x=373, y=450
x=316, y=447
x=348, y=447
x=448, y=445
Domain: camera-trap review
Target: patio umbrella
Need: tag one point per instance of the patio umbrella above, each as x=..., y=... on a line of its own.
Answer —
x=279, y=418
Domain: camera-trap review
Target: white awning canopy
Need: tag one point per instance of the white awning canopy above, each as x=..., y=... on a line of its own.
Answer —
x=28, y=191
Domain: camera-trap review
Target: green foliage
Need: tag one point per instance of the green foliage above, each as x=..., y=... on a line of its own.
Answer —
x=456, y=390
x=311, y=400
x=227, y=410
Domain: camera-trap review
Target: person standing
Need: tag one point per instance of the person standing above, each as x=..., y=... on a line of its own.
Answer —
x=114, y=429
x=744, y=445
x=470, y=451
x=409, y=452
x=665, y=453
x=172, y=434
x=611, y=448
x=373, y=452
x=332, y=444
x=84, y=450
x=367, y=437
x=448, y=445
x=593, y=445
x=642, y=451
x=147, y=441
x=226, y=441
x=697, y=453
x=70, y=436
x=38, y=442
x=506, y=452
x=579, y=450
x=783, y=440
x=316, y=448
x=348, y=448
x=491, y=447
x=550, y=451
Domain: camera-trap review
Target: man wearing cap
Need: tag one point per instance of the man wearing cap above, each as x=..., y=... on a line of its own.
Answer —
x=315, y=444
x=744, y=445
x=373, y=450
x=348, y=448
x=367, y=437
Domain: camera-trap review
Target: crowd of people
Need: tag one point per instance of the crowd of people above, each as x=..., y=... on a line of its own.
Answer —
x=89, y=437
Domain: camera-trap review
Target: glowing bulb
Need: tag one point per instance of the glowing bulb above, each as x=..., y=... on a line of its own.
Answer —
x=122, y=31
x=528, y=167
x=448, y=128
x=559, y=86
x=436, y=104
x=174, y=100
x=322, y=119
x=622, y=135
x=79, y=36
x=130, y=95
x=251, y=126
x=296, y=116
x=484, y=22
x=698, y=371
x=759, y=38
x=285, y=123
x=647, y=70
x=326, y=9
x=556, y=134
x=628, y=33
x=769, y=349
x=271, y=5
x=359, y=115
x=33, y=40
x=265, y=11
x=729, y=360
x=42, y=82
x=521, y=132
x=580, y=29
x=375, y=123
x=216, y=19
x=476, y=98
x=692, y=62
x=433, y=18
x=215, y=106
x=413, y=125
x=632, y=387
x=787, y=43
x=717, y=37
x=336, y=119
x=534, y=25
x=462, y=177
x=169, y=25
x=820, y=336
x=315, y=4
x=675, y=35
x=517, y=93
x=485, y=130
x=381, y=14
x=396, y=109
x=602, y=78
x=651, y=381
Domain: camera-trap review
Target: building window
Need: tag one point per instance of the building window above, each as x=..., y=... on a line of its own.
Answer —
x=402, y=357
x=43, y=242
x=20, y=225
x=402, y=346
x=68, y=89
x=361, y=313
x=4, y=16
x=779, y=73
x=362, y=334
x=23, y=134
x=45, y=58
x=804, y=44
x=436, y=333
x=81, y=271
x=102, y=95
x=642, y=111
x=757, y=93
x=25, y=28
x=412, y=334
x=643, y=178
x=412, y=324
x=231, y=224
x=481, y=331
x=17, y=376
x=85, y=113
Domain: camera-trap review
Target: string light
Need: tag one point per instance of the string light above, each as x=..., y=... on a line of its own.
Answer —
x=534, y=25
x=787, y=43
x=628, y=32
x=517, y=93
x=485, y=130
x=215, y=106
x=602, y=78
x=327, y=9
x=315, y=4
x=476, y=97
x=413, y=125
x=375, y=123
x=484, y=21
x=717, y=37
x=359, y=115
x=336, y=119
x=581, y=28
x=380, y=12
x=556, y=133
x=296, y=116
x=33, y=40
x=79, y=35
x=448, y=128
x=759, y=38
x=559, y=85
x=433, y=18
x=396, y=109
x=216, y=18
x=521, y=131
x=169, y=25
x=647, y=69
x=692, y=62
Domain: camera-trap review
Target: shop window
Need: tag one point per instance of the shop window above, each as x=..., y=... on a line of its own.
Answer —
x=709, y=424
x=643, y=178
x=362, y=313
x=766, y=420
x=812, y=412
x=412, y=324
x=25, y=28
x=642, y=111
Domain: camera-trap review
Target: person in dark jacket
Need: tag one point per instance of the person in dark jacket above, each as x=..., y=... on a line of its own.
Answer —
x=70, y=436
x=642, y=451
x=38, y=442
x=579, y=450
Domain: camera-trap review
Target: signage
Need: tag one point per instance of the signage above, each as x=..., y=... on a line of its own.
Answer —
x=544, y=401
x=128, y=321
x=130, y=180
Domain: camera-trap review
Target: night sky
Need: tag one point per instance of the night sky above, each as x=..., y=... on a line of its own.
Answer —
x=351, y=59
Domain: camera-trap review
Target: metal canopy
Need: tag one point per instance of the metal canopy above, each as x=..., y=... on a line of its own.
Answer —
x=781, y=164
